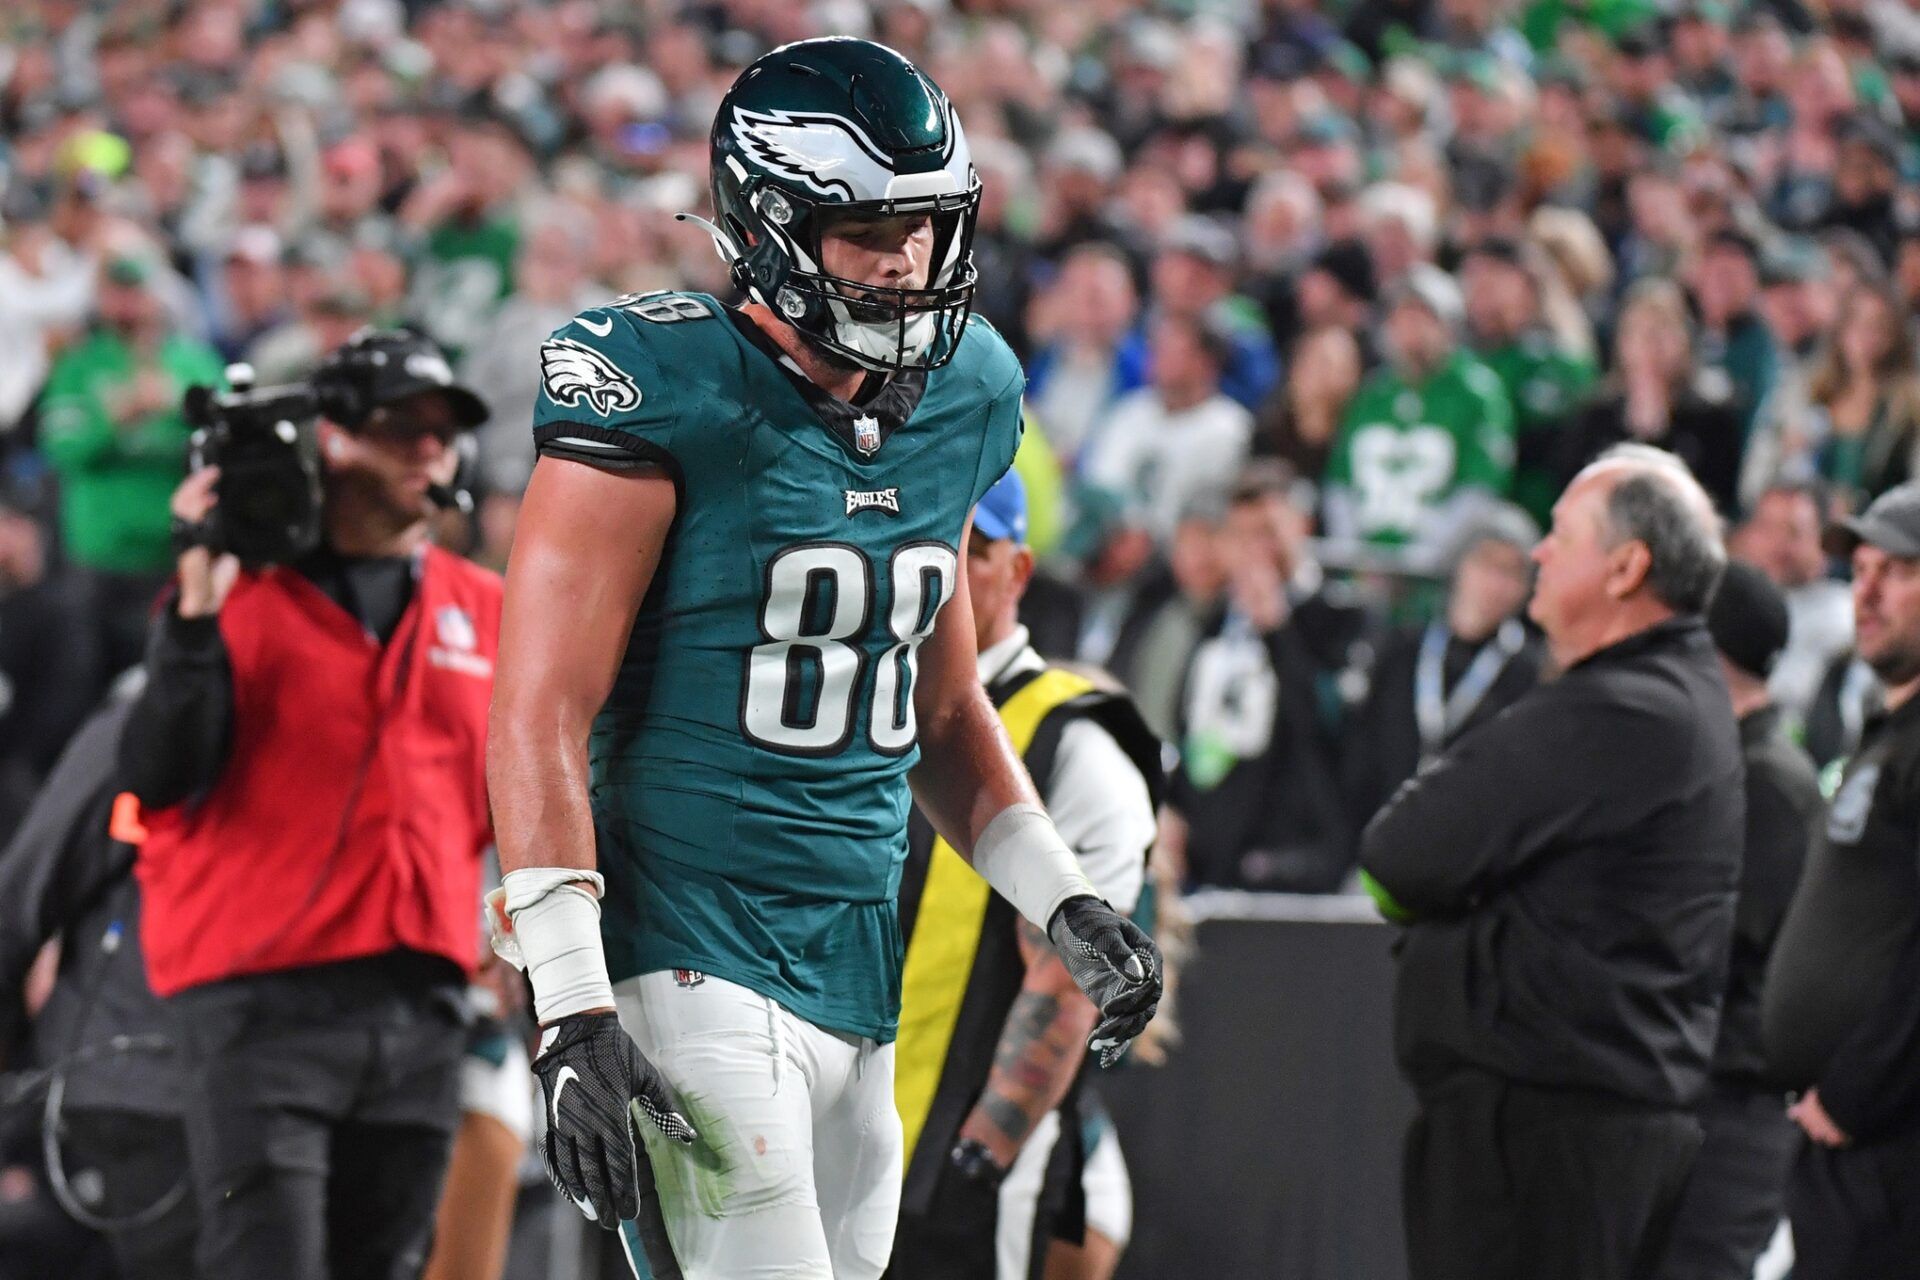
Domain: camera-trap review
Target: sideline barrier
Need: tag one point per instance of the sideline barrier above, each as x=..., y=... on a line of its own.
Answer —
x=1268, y=1147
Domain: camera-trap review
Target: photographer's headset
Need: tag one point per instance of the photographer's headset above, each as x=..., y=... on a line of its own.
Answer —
x=349, y=387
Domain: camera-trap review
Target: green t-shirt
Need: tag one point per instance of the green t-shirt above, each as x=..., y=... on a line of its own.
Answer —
x=1404, y=449
x=466, y=272
x=1546, y=386
x=750, y=766
x=116, y=481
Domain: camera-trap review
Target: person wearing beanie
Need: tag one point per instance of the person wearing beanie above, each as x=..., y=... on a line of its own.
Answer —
x=1428, y=441
x=1737, y=1193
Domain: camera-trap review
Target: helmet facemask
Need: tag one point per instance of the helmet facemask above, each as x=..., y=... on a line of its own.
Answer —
x=873, y=326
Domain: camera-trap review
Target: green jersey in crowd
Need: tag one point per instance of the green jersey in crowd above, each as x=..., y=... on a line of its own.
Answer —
x=749, y=769
x=1405, y=448
x=116, y=480
x=1547, y=386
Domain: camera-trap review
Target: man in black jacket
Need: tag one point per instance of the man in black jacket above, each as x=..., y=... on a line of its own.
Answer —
x=1842, y=1013
x=1737, y=1193
x=1567, y=877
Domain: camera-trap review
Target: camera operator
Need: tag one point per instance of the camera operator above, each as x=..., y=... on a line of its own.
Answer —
x=308, y=754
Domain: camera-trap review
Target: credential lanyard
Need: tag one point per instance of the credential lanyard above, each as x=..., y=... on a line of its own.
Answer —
x=1439, y=714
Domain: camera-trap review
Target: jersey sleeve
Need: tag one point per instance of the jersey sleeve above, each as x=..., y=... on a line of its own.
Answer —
x=603, y=399
x=1006, y=423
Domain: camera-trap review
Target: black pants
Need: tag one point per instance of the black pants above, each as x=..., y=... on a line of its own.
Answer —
x=957, y=1238
x=1856, y=1211
x=1505, y=1181
x=323, y=1111
x=1737, y=1192
x=139, y=1163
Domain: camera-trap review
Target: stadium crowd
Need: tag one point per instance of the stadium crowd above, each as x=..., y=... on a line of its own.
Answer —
x=1321, y=308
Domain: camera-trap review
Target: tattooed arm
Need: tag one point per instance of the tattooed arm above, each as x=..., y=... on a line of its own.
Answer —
x=1041, y=1046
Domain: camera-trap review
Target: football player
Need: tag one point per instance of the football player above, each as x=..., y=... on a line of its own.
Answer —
x=736, y=631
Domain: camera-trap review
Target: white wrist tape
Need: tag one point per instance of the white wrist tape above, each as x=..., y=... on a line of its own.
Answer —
x=546, y=920
x=1023, y=857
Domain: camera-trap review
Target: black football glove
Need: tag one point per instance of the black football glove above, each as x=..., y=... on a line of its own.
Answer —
x=1115, y=964
x=596, y=1086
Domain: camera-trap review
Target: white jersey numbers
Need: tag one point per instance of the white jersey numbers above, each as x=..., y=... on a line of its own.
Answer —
x=803, y=681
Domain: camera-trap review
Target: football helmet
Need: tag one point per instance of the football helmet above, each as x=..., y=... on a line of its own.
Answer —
x=833, y=128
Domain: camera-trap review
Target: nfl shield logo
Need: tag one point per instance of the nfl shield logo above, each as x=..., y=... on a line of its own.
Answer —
x=866, y=433
x=455, y=628
x=689, y=978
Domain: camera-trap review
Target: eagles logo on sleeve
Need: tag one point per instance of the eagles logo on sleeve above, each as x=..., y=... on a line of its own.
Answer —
x=574, y=373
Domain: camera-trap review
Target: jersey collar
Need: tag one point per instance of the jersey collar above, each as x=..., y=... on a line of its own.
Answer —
x=861, y=428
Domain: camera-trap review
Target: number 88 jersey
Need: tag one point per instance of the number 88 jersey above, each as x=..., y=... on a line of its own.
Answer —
x=749, y=767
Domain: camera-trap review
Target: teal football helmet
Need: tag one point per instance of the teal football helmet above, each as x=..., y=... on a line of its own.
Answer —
x=831, y=128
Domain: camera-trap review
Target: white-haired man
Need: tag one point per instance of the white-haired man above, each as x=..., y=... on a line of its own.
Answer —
x=1567, y=878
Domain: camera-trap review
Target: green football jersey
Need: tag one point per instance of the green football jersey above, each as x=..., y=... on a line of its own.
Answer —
x=1547, y=386
x=1403, y=449
x=749, y=768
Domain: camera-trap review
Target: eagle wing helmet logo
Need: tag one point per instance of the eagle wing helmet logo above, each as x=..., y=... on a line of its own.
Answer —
x=574, y=372
x=825, y=152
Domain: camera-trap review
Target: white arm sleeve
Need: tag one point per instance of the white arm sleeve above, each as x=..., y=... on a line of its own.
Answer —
x=1101, y=808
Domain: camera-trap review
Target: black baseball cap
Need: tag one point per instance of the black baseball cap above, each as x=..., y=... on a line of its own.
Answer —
x=1748, y=619
x=1892, y=524
x=392, y=364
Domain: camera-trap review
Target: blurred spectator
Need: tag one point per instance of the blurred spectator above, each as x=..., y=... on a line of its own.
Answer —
x=1167, y=443
x=1866, y=171
x=1001, y=253
x=1736, y=1191
x=1334, y=290
x=47, y=662
x=326, y=316
x=1735, y=347
x=1401, y=227
x=1088, y=351
x=1193, y=278
x=1782, y=538
x=1703, y=56
x=1300, y=421
x=1256, y=801
x=1864, y=399
x=1655, y=395
x=1434, y=683
x=1546, y=382
x=471, y=231
x=1428, y=441
x=1155, y=648
x=112, y=429
x=1799, y=302
x=1662, y=230
x=1079, y=172
x=253, y=293
x=502, y=365
x=46, y=286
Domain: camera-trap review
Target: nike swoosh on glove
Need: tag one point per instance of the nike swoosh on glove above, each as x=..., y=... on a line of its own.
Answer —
x=595, y=1080
x=1115, y=964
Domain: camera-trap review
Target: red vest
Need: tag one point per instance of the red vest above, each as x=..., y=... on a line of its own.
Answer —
x=352, y=811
